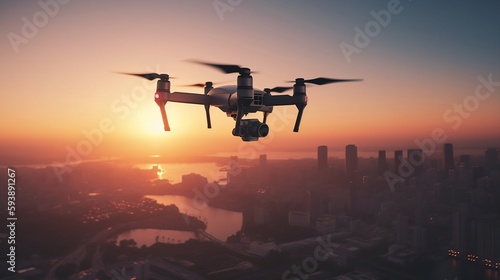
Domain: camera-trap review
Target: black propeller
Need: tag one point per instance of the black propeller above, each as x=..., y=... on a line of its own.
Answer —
x=195, y=85
x=324, y=81
x=226, y=68
x=279, y=89
x=149, y=76
x=202, y=85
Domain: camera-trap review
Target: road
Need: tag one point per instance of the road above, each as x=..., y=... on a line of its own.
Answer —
x=235, y=249
x=77, y=255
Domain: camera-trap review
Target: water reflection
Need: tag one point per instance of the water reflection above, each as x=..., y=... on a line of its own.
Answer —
x=150, y=236
x=461, y=269
x=220, y=223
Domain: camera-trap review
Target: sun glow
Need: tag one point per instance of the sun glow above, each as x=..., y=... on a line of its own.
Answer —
x=70, y=94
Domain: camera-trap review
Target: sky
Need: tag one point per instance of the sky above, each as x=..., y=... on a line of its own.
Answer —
x=429, y=68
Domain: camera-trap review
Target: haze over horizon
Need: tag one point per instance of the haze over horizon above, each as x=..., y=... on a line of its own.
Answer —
x=430, y=67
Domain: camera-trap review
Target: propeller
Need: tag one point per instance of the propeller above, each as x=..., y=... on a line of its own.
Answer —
x=202, y=85
x=279, y=89
x=195, y=85
x=226, y=68
x=244, y=92
x=324, y=81
x=300, y=93
x=161, y=103
x=149, y=76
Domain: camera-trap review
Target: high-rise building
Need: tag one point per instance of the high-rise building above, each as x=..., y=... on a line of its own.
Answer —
x=485, y=229
x=449, y=162
x=477, y=172
x=262, y=160
x=465, y=161
x=352, y=201
x=490, y=160
x=322, y=157
x=464, y=175
x=382, y=162
x=351, y=162
x=461, y=235
x=415, y=158
x=398, y=158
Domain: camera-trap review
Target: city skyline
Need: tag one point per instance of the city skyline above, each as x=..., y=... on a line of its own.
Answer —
x=413, y=224
x=438, y=151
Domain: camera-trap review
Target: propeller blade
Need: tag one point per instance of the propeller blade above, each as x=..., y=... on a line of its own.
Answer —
x=280, y=89
x=225, y=68
x=149, y=76
x=200, y=85
x=324, y=81
x=195, y=85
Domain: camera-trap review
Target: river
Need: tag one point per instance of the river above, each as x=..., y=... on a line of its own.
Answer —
x=220, y=223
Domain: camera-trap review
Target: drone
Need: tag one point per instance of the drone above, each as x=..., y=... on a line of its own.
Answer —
x=237, y=100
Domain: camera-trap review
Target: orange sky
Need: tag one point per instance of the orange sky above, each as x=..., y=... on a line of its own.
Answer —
x=60, y=84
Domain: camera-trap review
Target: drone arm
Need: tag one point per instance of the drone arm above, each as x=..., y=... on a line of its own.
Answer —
x=279, y=100
x=193, y=98
x=300, y=101
x=186, y=97
x=162, y=97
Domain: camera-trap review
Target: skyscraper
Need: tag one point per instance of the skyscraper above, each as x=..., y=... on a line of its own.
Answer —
x=461, y=235
x=465, y=161
x=262, y=160
x=351, y=162
x=322, y=157
x=490, y=160
x=415, y=158
x=382, y=162
x=465, y=180
x=486, y=229
x=449, y=162
x=398, y=158
x=352, y=201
